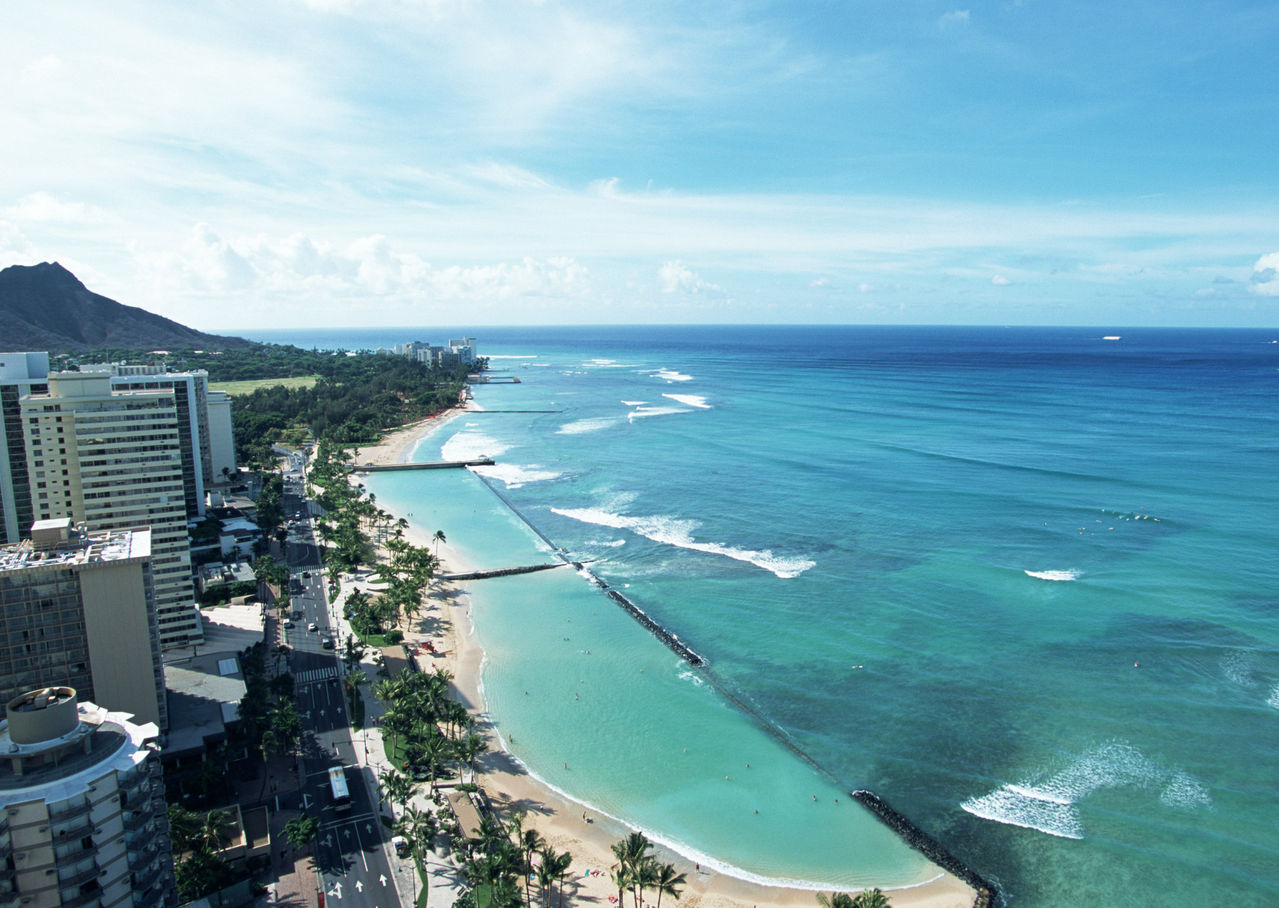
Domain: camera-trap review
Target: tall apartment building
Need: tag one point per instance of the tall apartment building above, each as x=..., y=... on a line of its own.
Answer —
x=221, y=436
x=20, y=374
x=82, y=812
x=110, y=459
x=190, y=397
x=77, y=610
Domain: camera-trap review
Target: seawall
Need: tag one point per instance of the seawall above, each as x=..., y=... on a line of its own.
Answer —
x=926, y=845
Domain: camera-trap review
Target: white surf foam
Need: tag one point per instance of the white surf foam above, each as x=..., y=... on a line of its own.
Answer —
x=472, y=445
x=1238, y=668
x=583, y=426
x=605, y=543
x=678, y=532
x=690, y=400
x=1185, y=792
x=1049, y=802
x=672, y=375
x=1273, y=699
x=515, y=476
x=648, y=412
x=634, y=403
x=692, y=677
x=1059, y=576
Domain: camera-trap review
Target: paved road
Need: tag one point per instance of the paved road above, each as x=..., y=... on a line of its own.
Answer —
x=350, y=851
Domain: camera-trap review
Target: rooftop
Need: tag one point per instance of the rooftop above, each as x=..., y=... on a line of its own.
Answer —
x=77, y=548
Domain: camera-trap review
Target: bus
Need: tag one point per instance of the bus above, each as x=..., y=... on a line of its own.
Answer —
x=338, y=789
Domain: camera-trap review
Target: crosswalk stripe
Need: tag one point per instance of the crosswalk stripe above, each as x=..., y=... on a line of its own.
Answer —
x=317, y=674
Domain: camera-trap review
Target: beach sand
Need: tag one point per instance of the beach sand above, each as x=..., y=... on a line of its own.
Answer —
x=563, y=823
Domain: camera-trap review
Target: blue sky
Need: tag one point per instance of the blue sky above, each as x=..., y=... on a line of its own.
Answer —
x=466, y=162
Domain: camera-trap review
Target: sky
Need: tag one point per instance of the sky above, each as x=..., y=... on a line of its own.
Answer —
x=336, y=163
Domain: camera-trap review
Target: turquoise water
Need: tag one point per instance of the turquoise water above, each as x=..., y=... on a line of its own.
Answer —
x=1053, y=556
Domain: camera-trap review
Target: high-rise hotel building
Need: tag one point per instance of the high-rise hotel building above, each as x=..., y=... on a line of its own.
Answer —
x=20, y=374
x=111, y=460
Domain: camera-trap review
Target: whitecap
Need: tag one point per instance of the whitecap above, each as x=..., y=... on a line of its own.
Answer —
x=672, y=375
x=515, y=476
x=1059, y=576
x=634, y=403
x=678, y=532
x=692, y=677
x=605, y=543
x=648, y=412
x=1047, y=802
x=690, y=400
x=472, y=446
x=582, y=426
x=1273, y=699
x=1185, y=792
x=1238, y=668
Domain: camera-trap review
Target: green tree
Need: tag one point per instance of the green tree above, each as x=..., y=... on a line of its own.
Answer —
x=667, y=881
x=301, y=831
x=835, y=900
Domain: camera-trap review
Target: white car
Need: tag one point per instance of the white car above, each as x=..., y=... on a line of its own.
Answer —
x=312, y=626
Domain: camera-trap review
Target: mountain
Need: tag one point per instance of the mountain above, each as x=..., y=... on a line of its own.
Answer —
x=44, y=307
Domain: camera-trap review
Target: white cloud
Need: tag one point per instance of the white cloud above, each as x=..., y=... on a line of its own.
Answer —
x=42, y=206
x=954, y=17
x=1265, y=275
x=676, y=277
x=1000, y=281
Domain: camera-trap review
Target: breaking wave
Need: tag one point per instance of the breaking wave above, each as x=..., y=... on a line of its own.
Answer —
x=1059, y=576
x=1048, y=802
x=471, y=446
x=690, y=400
x=582, y=426
x=679, y=533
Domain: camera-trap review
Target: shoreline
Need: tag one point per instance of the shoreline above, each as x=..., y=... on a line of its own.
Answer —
x=566, y=823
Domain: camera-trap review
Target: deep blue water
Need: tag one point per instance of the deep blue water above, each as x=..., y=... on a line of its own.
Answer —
x=1052, y=556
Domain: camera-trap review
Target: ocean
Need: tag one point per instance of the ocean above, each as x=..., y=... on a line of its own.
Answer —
x=1022, y=583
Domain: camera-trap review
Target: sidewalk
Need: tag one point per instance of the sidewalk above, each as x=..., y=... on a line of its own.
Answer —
x=370, y=753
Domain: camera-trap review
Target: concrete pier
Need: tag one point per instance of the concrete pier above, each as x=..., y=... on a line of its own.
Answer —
x=435, y=465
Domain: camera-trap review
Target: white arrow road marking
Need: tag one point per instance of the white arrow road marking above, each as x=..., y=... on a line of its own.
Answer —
x=382, y=879
x=336, y=891
x=359, y=886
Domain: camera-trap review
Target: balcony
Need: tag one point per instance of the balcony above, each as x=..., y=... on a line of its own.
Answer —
x=78, y=877
x=135, y=821
x=69, y=812
x=76, y=829
x=146, y=879
x=93, y=897
x=153, y=897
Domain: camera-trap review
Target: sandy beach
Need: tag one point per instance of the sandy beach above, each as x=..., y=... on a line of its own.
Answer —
x=565, y=824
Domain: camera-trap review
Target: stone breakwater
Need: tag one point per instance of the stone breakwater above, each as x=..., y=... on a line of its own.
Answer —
x=926, y=845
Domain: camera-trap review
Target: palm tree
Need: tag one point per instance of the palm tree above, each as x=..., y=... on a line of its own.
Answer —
x=438, y=537
x=529, y=844
x=546, y=876
x=268, y=745
x=667, y=880
x=561, y=864
x=871, y=898
x=835, y=900
x=634, y=865
x=301, y=831
x=395, y=786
